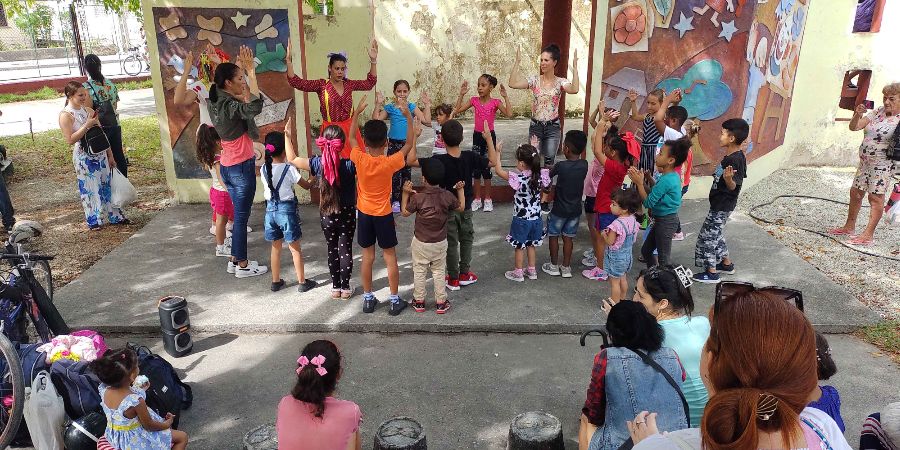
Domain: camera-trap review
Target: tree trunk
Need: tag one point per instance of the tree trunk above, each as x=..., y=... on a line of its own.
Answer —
x=400, y=433
x=535, y=430
x=262, y=437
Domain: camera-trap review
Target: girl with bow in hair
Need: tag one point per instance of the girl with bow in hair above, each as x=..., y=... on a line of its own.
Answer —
x=336, y=92
x=311, y=418
x=337, y=202
x=282, y=222
x=527, y=229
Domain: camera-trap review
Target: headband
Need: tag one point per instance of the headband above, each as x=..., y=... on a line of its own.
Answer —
x=685, y=276
x=340, y=53
x=303, y=361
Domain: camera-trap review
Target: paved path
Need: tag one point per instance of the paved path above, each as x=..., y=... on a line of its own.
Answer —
x=45, y=113
x=175, y=250
x=464, y=388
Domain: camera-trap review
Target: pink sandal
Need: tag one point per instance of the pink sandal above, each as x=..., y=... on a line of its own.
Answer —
x=839, y=232
x=862, y=242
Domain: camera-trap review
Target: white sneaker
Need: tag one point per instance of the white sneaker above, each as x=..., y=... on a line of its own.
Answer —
x=589, y=253
x=566, y=272
x=488, y=205
x=253, y=269
x=212, y=231
x=223, y=250
x=550, y=269
x=231, y=266
x=476, y=204
x=678, y=237
x=589, y=261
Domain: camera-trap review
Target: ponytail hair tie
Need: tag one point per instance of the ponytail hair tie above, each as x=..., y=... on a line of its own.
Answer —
x=270, y=149
x=766, y=406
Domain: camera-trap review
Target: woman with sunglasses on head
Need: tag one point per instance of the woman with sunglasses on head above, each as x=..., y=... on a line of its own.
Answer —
x=665, y=292
x=634, y=372
x=759, y=366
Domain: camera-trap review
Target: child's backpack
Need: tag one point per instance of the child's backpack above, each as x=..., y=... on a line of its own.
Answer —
x=78, y=387
x=167, y=393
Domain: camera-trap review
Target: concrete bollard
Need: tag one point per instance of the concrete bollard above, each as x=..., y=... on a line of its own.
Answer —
x=262, y=437
x=400, y=433
x=535, y=430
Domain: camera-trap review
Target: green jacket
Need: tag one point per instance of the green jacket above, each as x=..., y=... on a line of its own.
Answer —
x=232, y=117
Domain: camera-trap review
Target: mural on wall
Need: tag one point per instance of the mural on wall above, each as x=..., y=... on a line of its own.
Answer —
x=216, y=34
x=730, y=58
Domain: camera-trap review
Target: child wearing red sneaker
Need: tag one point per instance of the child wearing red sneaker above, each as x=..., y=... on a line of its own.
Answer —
x=432, y=206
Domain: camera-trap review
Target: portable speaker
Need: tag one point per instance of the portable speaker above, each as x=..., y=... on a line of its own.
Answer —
x=175, y=322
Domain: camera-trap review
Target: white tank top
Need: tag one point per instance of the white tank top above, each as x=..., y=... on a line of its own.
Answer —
x=81, y=116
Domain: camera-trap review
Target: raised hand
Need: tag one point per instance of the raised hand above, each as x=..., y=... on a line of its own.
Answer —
x=248, y=63
x=404, y=109
x=289, y=127
x=379, y=98
x=534, y=141
x=486, y=130
x=188, y=63
x=575, y=60
x=459, y=185
x=288, y=59
x=632, y=95
x=611, y=115
x=502, y=90
x=361, y=106
x=426, y=99
x=373, y=51
x=464, y=88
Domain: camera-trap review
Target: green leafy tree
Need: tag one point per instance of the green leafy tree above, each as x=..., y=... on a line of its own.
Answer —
x=16, y=7
x=37, y=21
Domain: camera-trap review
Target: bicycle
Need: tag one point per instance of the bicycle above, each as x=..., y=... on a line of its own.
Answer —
x=26, y=313
x=134, y=63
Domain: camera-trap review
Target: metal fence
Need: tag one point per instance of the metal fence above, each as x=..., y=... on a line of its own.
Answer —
x=47, y=40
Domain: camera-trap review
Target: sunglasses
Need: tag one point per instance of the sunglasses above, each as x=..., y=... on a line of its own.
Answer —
x=728, y=289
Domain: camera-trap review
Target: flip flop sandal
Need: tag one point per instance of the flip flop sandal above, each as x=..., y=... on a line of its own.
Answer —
x=335, y=293
x=346, y=294
x=839, y=232
x=862, y=242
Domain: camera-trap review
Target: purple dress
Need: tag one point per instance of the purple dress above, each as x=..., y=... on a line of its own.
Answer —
x=830, y=403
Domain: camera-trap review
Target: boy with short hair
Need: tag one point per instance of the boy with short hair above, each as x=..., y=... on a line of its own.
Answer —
x=663, y=200
x=458, y=166
x=566, y=213
x=375, y=222
x=711, y=252
x=429, y=244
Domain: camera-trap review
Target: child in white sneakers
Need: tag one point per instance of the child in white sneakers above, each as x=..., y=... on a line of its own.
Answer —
x=208, y=154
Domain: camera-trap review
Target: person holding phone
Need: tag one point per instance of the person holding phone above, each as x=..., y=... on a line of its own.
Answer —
x=105, y=102
x=873, y=176
x=93, y=171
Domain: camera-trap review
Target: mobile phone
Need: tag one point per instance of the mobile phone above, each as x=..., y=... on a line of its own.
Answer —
x=869, y=104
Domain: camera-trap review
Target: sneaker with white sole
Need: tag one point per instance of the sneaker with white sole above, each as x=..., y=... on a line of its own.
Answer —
x=512, y=275
x=253, y=269
x=707, y=277
x=678, y=236
x=595, y=274
x=531, y=274
x=223, y=250
x=476, y=204
x=726, y=269
x=212, y=231
x=589, y=253
x=550, y=269
x=488, y=205
x=565, y=272
x=230, y=267
x=589, y=261
x=395, y=207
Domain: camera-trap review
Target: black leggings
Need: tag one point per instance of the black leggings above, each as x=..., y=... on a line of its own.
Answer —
x=338, y=229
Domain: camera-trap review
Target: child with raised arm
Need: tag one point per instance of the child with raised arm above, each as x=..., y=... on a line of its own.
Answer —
x=397, y=131
x=527, y=230
x=376, y=224
x=711, y=253
x=432, y=207
x=486, y=108
x=663, y=201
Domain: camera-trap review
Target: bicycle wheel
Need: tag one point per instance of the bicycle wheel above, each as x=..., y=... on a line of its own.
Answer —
x=132, y=65
x=12, y=391
x=44, y=276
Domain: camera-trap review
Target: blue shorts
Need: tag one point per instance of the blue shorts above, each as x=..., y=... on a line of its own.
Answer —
x=617, y=263
x=567, y=226
x=525, y=233
x=282, y=222
x=604, y=220
x=376, y=229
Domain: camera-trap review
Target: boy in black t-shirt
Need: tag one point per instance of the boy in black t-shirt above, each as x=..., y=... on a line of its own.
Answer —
x=711, y=253
x=459, y=166
x=564, y=217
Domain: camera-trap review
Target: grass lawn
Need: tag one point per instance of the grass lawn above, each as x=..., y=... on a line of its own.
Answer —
x=43, y=188
x=885, y=335
x=46, y=93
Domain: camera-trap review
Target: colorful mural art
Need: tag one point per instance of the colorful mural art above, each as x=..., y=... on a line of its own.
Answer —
x=216, y=34
x=730, y=58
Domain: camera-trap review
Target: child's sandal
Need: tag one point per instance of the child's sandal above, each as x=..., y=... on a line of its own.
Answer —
x=346, y=294
x=335, y=293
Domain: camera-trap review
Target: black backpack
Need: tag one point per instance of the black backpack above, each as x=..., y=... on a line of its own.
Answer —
x=167, y=393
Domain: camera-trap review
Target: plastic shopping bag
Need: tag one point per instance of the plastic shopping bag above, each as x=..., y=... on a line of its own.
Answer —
x=45, y=413
x=123, y=192
x=892, y=209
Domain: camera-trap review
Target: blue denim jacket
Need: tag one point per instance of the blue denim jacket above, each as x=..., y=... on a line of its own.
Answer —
x=631, y=387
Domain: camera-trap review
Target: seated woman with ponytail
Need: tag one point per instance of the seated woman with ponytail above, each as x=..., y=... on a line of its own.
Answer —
x=310, y=418
x=337, y=202
x=632, y=373
x=759, y=366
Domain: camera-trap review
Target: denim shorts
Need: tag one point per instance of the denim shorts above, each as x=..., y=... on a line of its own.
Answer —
x=617, y=263
x=282, y=222
x=525, y=233
x=567, y=226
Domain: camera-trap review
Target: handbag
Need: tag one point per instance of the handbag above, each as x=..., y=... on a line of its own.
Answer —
x=106, y=113
x=893, y=150
x=94, y=142
x=629, y=443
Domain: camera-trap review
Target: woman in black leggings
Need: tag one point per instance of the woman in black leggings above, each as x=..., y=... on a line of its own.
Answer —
x=337, y=201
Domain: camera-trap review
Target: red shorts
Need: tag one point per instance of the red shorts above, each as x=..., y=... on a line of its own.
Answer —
x=221, y=204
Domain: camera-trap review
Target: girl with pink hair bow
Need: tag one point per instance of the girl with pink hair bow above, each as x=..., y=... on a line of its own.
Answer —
x=337, y=202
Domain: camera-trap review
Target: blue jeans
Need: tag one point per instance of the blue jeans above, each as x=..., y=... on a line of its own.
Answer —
x=6, y=208
x=240, y=180
x=567, y=226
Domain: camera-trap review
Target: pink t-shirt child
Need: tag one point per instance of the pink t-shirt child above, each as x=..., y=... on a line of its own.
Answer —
x=622, y=227
x=298, y=428
x=486, y=111
x=595, y=173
